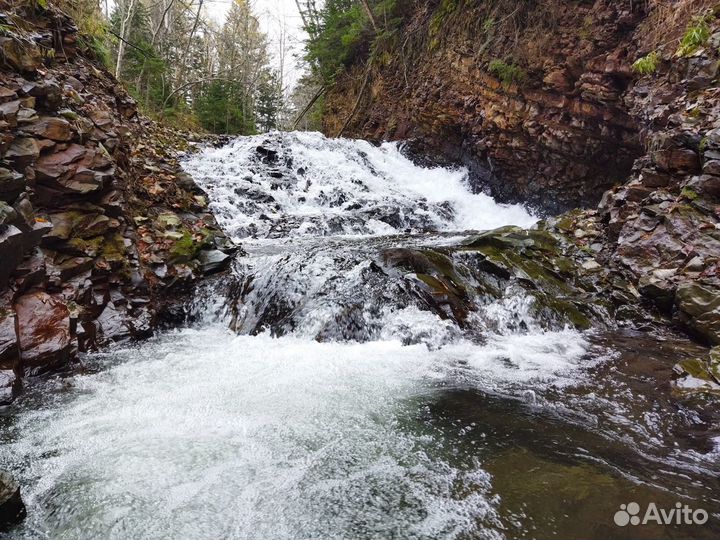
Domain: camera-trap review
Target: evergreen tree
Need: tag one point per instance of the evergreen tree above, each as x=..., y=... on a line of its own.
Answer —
x=269, y=101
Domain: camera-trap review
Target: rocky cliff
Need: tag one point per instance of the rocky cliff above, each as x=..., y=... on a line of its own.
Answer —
x=542, y=102
x=100, y=230
x=536, y=97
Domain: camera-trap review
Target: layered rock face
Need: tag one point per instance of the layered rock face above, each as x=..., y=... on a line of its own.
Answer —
x=571, y=119
x=663, y=226
x=98, y=224
x=529, y=95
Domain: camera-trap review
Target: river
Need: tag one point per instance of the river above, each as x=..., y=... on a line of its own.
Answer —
x=314, y=395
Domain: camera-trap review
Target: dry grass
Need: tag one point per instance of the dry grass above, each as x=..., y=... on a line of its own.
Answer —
x=667, y=21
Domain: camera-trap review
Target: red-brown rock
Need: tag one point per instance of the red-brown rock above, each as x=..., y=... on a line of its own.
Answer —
x=55, y=129
x=45, y=334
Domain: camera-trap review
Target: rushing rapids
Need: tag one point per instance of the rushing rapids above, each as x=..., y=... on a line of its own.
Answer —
x=363, y=376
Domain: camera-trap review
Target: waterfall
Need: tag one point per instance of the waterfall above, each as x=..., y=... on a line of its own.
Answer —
x=359, y=380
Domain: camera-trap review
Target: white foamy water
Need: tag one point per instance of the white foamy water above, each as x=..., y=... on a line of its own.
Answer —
x=316, y=186
x=204, y=434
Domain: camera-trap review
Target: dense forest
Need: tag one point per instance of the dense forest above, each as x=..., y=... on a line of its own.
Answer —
x=185, y=67
x=188, y=69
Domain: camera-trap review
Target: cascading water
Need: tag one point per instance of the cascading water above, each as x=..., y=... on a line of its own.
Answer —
x=347, y=401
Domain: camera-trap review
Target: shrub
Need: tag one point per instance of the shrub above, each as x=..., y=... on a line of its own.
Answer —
x=696, y=35
x=647, y=65
x=507, y=73
x=443, y=12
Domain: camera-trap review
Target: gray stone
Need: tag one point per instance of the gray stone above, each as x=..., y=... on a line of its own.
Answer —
x=12, y=184
x=12, y=509
x=213, y=261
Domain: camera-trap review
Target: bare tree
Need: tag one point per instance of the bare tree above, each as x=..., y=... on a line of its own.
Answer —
x=126, y=15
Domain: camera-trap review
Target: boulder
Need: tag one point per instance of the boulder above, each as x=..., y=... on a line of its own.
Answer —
x=699, y=309
x=23, y=152
x=55, y=129
x=45, y=331
x=25, y=57
x=12, y=184
x=12, y=509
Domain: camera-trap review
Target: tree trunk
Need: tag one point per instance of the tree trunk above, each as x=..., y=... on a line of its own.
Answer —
x=123, y=36
x=370, y=14
x=181, y=64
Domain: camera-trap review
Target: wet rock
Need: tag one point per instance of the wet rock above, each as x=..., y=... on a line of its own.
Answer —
x=113, y=324
x=9, y=386
x=699, y=309
x=659, y=290
x=8, y=340
x=714, y=363
x=212, y=261
x=45, y=334
x=12, y=509
x=12, y=248
x=694, y=376
x=32, y=271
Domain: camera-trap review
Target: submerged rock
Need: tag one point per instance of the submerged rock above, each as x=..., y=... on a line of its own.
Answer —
x=697, y=375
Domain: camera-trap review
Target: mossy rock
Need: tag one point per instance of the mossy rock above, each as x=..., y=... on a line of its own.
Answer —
x=88, y=246
x=697, y=375
x=186, y=248
x=113, y=249
x=512, y=237
x=563, y=311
